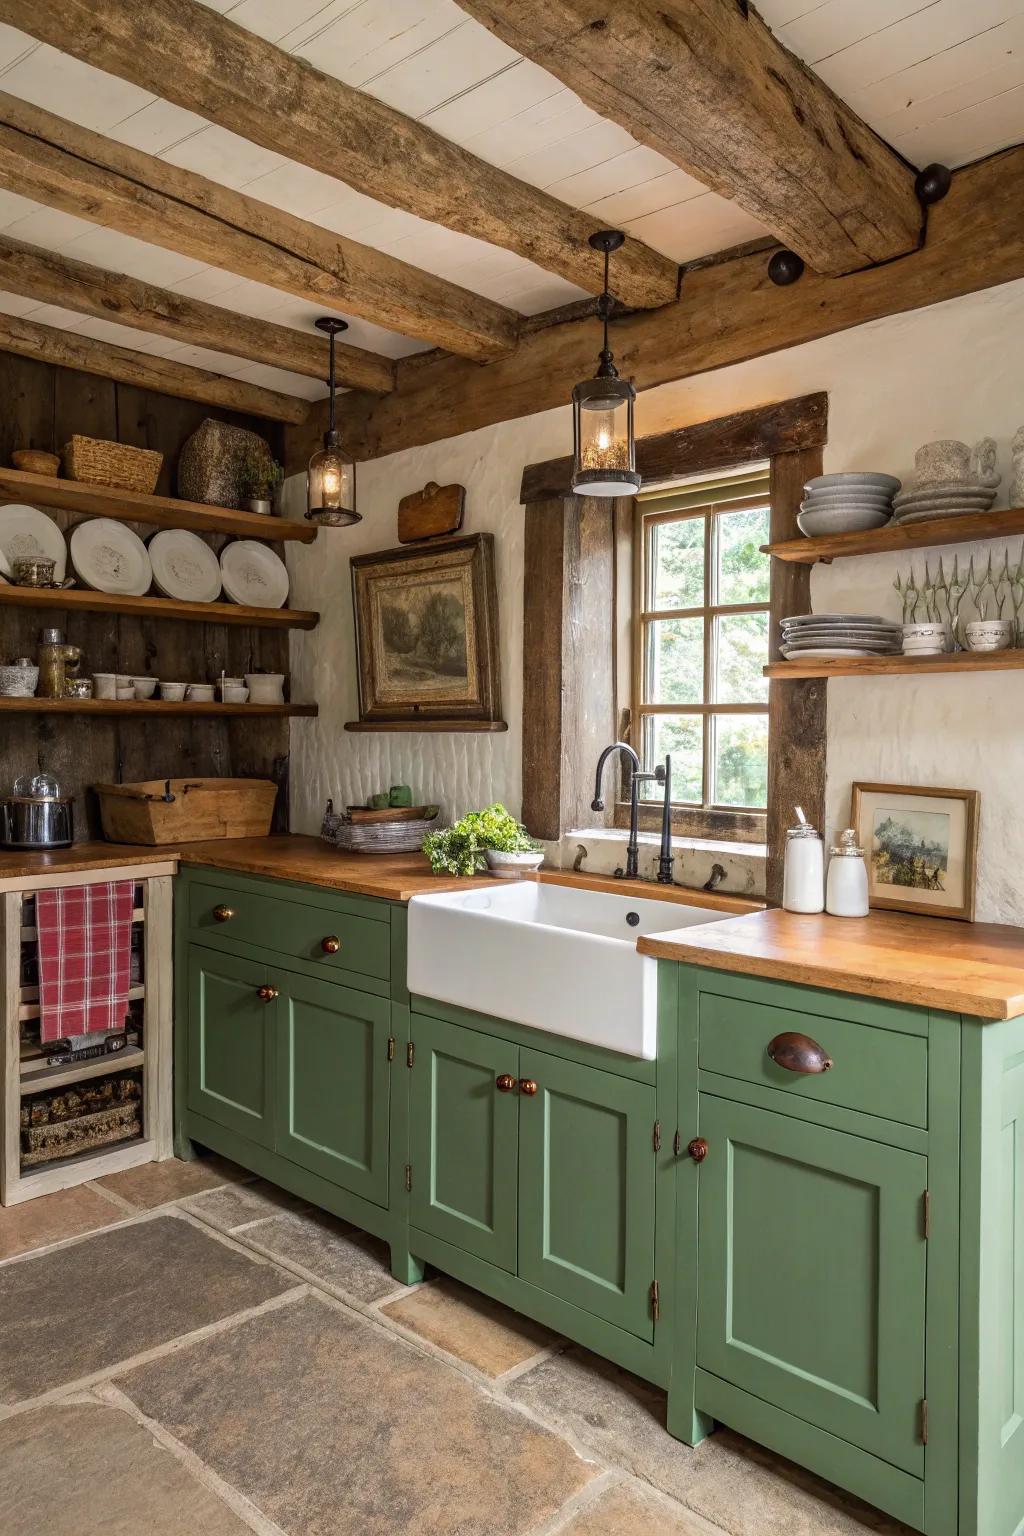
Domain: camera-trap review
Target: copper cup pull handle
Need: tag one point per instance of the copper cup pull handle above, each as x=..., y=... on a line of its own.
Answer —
x=331, y=944
x=266, y=994
x=505, y=1083
x=698, y=1149
x=223, y=914
x=527, y=1086
x=798, y=1053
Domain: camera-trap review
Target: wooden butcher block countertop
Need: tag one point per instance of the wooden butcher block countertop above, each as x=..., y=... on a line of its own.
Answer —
x=17, y=867
x=972, y=968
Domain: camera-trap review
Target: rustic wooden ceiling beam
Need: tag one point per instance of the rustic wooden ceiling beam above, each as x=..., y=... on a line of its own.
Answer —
x=728, y=312
x=705, y=83
x=43, y=156
x=189, y=54
x=27, y=338
x=33, y=273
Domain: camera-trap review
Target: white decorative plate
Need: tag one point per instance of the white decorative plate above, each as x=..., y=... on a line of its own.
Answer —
x=109, y=557
x=253, y=574
x=27, y=531
x=929, y=514
x=853, y=477
x=799, y=620
x=833, y=653
x=184, y=567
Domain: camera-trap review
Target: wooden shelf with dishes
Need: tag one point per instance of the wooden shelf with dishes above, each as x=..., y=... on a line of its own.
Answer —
x=82, y=600
x=87, y=500
x=156, y=709
x=890, y=666
x=965, y=528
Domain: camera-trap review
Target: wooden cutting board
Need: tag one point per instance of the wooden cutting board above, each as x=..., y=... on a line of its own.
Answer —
x=389, y=813
x=431, y=513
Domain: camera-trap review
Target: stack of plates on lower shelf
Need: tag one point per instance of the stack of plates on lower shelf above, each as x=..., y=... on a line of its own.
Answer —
x=824, y=636
x=846, y=503
x=946, y=498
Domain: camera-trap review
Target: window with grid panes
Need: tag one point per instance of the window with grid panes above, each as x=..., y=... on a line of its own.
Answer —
x=701, y=640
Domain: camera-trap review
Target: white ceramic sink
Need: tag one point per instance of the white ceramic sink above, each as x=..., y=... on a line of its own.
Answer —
x=559, y=958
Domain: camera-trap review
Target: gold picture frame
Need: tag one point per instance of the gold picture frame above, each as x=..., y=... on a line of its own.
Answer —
x=919, y=841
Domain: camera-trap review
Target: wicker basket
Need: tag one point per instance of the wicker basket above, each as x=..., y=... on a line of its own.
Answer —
x=97, y=462
x=377, y=836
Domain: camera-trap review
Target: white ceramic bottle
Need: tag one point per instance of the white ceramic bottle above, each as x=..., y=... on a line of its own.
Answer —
x=803, y=877
x=847, y=890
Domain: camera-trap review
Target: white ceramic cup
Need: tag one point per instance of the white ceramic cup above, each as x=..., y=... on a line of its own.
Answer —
x=125, y=691
x=201, y=693
x=172, y=692
x=235, y=693
x=930, y=639
x=145, y=687
x=265, y=687
x=104, y=685
x=988, y=634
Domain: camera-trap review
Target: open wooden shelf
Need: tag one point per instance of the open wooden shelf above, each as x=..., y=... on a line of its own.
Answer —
x=81, y=600
x=965, y=529
x=132, y=507
x=426, y=725
x=155, y=708
x=884, y=666
x=36, y=1075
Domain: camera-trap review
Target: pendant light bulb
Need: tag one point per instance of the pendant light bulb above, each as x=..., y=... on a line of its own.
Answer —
x=604, y=443
x=331, y=478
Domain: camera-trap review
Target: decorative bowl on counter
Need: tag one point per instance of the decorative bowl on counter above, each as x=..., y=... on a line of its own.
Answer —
x=512, y=866
x=400, y=834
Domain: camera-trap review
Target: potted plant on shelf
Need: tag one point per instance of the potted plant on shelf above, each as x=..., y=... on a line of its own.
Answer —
x=259, y=476
x=491, y=839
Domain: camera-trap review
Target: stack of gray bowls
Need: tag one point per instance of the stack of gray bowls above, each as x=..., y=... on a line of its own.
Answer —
x=853, y=502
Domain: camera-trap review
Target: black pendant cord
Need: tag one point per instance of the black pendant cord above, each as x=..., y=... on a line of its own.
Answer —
x=330, y=326
x=607, y=240
x=330, y=385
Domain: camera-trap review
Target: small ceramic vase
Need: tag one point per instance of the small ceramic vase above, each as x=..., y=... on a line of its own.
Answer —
x=104, y=685
x=265, y=687
x=988, y=634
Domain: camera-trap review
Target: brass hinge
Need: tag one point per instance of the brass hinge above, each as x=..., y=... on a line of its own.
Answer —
x=927, y=1213
x=408, y=1178
x=410, y=1054
x=655, y=1301
x=677, y=1144
x=924, y=1421
x=656, y=1138
x=391, y=1047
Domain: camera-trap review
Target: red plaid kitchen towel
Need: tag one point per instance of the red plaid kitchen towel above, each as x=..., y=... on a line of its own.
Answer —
x=85, y=958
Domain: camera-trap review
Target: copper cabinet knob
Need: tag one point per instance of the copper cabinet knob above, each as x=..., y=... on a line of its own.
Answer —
x=331, y=944
x=505, y=1083
x=527, y=1086
x=698, y=1149
x=223, y=914
x=266, y=994
x=798, y=1053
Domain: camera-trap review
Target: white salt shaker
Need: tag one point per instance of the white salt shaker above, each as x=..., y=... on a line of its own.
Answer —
x=847, y=892
x=803, y=876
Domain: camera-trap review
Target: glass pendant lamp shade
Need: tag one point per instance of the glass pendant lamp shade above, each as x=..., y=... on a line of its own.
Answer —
x=604, y=442
x=330, y=478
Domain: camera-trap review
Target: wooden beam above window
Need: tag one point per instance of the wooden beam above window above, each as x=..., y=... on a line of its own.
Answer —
x=189, y=54
x=68, y=167
x=706, y=84
x=740, y=439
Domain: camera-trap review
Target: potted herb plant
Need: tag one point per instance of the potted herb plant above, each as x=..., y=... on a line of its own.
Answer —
x=491, y=839
x=259, y=475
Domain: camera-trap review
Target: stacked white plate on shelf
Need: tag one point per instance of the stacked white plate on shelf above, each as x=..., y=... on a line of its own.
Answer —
x=831, y=636
x=25, y=531
x=846, y=503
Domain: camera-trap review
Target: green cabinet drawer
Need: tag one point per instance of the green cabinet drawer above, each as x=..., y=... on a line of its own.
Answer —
x=876, y=1071
x=306, y=932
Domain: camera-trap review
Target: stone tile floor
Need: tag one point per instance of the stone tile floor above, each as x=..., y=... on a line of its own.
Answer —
x=187, y=1351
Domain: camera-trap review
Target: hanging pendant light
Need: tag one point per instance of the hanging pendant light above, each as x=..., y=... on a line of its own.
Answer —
x=331, y=479
x=604, y=445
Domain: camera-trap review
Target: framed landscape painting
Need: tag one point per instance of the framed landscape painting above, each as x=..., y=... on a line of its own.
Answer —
x=920, y=846
x=427, y=634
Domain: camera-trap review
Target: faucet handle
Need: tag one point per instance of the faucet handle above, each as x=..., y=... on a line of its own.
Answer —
x=597, y=805
x=659, y=774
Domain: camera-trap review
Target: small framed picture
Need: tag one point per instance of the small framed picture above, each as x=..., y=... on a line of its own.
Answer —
x=920, y=846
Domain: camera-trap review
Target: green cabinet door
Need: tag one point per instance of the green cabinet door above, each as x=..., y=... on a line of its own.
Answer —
x=230, y=1044
x=586, y=1189
x=464, y=1139
x=812, y=1275
x=333, y=1084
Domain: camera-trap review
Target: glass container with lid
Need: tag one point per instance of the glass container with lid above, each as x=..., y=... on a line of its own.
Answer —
x=804, y=869
x=847, y=887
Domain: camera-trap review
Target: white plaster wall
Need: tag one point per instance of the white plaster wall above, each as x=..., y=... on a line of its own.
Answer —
x=954, y=370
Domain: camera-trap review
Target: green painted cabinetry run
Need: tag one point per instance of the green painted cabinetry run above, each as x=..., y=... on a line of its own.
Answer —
x=830, y=1262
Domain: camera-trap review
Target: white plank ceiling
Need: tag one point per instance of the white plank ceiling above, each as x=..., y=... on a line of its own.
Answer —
x=938, y=79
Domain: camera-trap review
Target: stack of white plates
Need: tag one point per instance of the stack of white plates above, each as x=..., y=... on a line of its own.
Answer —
x=947, y=498
x=846, y=503
x=820, y=636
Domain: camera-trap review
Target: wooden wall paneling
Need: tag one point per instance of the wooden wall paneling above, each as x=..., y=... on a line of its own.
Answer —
x=796, y=710
x=544, y=557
